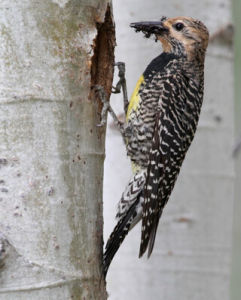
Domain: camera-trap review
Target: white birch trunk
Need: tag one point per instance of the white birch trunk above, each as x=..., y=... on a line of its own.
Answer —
x=191, y=258
x=236, y=260
x=51, y=152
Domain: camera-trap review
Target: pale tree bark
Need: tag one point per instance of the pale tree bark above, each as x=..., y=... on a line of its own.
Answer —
x=236, y=261
x=52, y=152
x=192, y=253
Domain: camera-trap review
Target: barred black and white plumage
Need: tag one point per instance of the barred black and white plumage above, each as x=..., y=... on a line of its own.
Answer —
x=160, y=125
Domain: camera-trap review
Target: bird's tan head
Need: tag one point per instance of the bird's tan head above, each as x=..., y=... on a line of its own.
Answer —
x=183, y=36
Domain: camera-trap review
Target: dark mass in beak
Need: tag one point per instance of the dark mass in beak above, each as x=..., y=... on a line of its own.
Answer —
x=149, y=28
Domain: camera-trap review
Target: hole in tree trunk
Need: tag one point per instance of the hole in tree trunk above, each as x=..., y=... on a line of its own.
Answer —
x=102, y=66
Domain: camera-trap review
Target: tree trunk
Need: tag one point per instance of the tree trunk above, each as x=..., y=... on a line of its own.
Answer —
x=192, y=253
x=52, y=152
x=236, y=260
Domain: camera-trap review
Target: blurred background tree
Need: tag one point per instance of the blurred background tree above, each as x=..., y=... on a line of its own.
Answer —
x=236, y=258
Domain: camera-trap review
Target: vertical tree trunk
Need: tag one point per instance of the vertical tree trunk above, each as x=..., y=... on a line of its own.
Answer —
x=192, y=254
x=236, y=261
x=52, y=153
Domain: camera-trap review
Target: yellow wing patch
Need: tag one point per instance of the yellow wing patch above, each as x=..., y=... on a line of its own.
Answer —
x=135, y=168
x=135, y=98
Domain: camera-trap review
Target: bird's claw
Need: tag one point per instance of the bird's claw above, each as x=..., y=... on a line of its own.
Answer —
x=115, y=90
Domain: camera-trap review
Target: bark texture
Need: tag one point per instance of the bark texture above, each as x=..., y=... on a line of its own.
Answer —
x=52, y=153
x=236, y=259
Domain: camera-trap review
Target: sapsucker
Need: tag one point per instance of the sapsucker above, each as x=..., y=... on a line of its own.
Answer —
x=160, y=124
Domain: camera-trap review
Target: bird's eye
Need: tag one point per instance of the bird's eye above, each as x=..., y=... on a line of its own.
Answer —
x=179, y=26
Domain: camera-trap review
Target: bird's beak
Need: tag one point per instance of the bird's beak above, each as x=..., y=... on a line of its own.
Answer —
x=149, y=28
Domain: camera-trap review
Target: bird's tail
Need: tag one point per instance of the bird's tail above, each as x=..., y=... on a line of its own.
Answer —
x=118, y=235
x=129, y=214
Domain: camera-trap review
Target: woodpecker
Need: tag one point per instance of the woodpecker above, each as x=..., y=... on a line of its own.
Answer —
x=160, y=124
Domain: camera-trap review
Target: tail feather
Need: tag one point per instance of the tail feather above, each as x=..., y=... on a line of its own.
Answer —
x=128, y=215
x=118, y=235
x=152, y=237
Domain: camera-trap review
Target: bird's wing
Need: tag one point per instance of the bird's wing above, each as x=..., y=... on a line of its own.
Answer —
x=164, y=162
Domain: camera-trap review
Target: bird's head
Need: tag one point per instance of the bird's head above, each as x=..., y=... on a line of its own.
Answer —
x=183, y=36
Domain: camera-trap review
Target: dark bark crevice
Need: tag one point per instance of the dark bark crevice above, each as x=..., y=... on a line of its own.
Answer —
x=102, y=66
